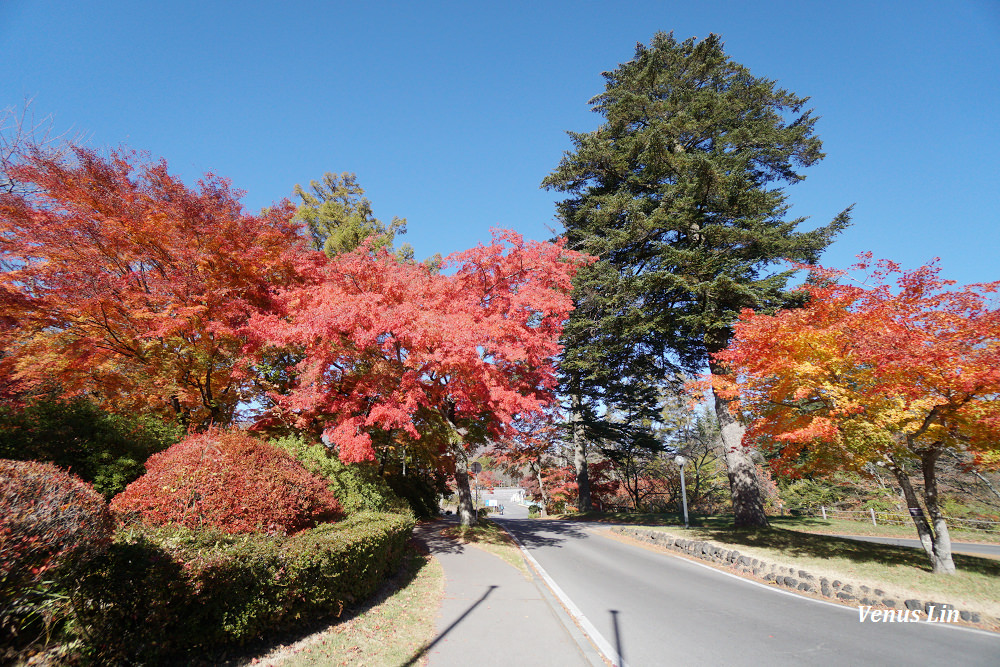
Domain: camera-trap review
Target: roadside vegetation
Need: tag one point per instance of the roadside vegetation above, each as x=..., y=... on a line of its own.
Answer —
x=803, y=524
x=390, y=629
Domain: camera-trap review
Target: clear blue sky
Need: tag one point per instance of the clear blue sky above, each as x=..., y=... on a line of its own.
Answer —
x=452, y=113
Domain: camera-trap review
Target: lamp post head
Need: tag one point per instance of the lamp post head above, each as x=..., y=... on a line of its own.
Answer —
x=680, y=460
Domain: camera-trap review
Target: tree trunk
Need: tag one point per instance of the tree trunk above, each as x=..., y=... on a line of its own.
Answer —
x=580, y=455
x=541, y=490
x=748, y=504
x=466, y=513
x=940, y=562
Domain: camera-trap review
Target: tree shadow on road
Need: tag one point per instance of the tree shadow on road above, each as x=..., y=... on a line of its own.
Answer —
x=429, y=534
x=541, y=533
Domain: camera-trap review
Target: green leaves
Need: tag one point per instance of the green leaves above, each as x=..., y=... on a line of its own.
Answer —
x=339, y=217
x=675, y=193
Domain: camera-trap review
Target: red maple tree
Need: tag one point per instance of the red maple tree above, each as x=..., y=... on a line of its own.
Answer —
x=449, y=359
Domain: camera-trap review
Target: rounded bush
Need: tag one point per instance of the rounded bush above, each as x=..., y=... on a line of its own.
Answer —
x=230, y=481
x=47, y=516
x=50, y=520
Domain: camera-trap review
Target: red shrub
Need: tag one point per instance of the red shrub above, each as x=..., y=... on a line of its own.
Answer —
x=47, y=517
x=230, y=481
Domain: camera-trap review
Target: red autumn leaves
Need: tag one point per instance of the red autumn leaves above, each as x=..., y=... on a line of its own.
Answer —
x=387, y=345
x=123, y=284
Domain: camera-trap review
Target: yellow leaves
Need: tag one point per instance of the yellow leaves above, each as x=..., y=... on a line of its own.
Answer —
x=861, y=371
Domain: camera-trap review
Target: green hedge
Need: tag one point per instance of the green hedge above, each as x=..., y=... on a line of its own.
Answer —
x=159, y=594
x=104, y=449
x=358, y=486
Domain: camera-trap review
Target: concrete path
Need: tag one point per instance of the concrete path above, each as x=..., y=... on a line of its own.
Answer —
x=492, y=614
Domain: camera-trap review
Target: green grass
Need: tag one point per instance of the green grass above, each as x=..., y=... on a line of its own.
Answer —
x=490, y=537
x=901, y=572
x=388, y=630
x=848, y=527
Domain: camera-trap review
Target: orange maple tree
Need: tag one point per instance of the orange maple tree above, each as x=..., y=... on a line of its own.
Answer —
x=121, y=283
x=868, y=374
x=391, y=347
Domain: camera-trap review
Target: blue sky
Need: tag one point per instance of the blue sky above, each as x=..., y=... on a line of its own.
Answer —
x=451, y=113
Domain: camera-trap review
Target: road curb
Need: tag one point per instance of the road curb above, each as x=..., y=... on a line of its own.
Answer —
x=593, y=645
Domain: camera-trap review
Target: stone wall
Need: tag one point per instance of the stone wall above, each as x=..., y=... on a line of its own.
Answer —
x=792, y=578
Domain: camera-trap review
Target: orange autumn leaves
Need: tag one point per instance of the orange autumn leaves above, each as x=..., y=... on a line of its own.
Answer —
x=869, y=370
x=123, y=284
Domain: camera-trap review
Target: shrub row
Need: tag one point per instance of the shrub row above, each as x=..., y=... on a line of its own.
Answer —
x=160, y=593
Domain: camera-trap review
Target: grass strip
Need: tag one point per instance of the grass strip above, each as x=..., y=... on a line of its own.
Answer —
x=900, y=571
x=490, y=537
x=801, y=523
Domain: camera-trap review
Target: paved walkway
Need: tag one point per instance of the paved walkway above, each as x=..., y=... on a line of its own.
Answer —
x=492, y=614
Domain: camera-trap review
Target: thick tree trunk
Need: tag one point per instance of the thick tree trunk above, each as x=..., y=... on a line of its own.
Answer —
x=580, y=455
x=942, y=560
x=938, y=553
x=466, y=513
x=748, y=502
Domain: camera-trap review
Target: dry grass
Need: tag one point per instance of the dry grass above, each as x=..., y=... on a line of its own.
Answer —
x=490, y=537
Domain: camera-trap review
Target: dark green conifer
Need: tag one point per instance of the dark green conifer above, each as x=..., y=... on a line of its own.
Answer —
x=680, y=193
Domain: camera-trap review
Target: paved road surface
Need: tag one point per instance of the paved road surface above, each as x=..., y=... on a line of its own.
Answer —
x=658, y=609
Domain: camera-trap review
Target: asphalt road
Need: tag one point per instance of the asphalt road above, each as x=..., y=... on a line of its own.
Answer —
x=652, y=608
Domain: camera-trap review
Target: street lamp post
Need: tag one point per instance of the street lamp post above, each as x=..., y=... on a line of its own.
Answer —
x=680, y=461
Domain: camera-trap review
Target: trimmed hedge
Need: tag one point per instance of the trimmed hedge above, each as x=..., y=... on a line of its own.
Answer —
x=358, y=486
x=161, y=593
x=229, y=481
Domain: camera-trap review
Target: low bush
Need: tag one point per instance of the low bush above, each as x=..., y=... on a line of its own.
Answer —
x=162, y=593
x=49, y=521
x=105, y=450
x=229, y=481
x=358, y=486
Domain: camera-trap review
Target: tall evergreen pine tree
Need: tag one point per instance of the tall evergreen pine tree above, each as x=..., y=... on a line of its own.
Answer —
x=680, y=193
